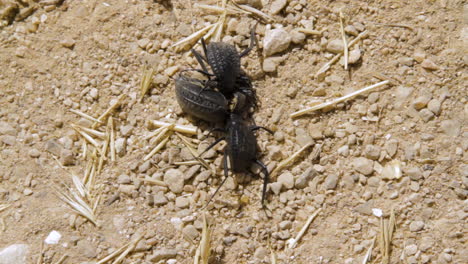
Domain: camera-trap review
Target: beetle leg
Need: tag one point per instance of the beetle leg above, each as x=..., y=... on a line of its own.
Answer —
x=200, y=59
x=264, y=128
x=266, y=179
x=253, y=41
x=214, y=129
x=212, y=145
x=222, y=183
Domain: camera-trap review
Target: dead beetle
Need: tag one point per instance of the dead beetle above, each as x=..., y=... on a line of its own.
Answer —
x=209, y=105
x=241, y=149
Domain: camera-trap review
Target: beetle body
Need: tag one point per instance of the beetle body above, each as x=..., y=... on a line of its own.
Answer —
x=224, y=61
x=241, y=149
x=206, y=104
x=241, y=144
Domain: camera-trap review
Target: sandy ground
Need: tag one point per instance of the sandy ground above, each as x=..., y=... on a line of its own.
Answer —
x=84, y=55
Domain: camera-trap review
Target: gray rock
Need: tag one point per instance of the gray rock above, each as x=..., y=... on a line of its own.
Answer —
x=331, y=181
x=363, y=165
x=372, y=152
x=303, y=180
x=416, y=226
x=426, y=114
x=270, y=64
x=6, y=129
x=276, y=187
x=16, y=253
x=260, y=253
x=285, y=225
x=66, y=157
x=53, y=147
x=421, y=101
x=160, y=199
x=450, y=127
x=277, y=6
x=34, y=153
x=429, y=65
x=335, y=46
x=365, y=208
x=174, y=180
x=343, y=150
x=124, y=179
x=391, y=147
x=354, y=56
x=351, y=30
x=410, y=250
x=297, y=37
x=203, y=176
x=401, y=94
x=126, y=130
x=434, y=105
x=191, y=172
x=276, y=40
x=191, y=232
x=144, y=167
x=120, y=145
x=163, y=254
x=182, y=202
x=302, y=137
x=287, y=180
x=9, y=140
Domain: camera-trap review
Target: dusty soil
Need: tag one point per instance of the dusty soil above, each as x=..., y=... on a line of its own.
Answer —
x=83, y=55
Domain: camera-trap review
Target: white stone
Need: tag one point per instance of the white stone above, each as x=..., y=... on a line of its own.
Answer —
x=276, y=40
x=15, y=253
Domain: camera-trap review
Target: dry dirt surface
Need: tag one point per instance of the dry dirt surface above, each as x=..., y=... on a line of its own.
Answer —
x=396, y=154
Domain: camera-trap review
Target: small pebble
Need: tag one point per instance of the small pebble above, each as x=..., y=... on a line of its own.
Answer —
x=450, y=127
x=287, y=180
x=426, y=114
x=421, y=101
x=276, y=40
x=335, y=46
x=161, y=254
x=416, y=226
x=120, y=145
x=331, y=182
x=354, y=56
x=434, y=106
x=363, y=165
x=182, y=202
x=429, y=65
x=303, y=180
x=34, y=153
x=277, y=6
x=68, y=43
x=174, y=180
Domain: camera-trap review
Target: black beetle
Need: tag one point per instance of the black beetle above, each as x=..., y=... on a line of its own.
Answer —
x=224, y=61
x=210, y=105
x=241, y=149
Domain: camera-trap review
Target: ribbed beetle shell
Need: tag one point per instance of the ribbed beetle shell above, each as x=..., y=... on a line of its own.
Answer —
x=224, y=61
x=208, y=105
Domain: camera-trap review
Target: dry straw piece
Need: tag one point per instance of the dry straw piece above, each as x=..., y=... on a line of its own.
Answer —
x=78, y=204
x=338, y=100
x=202, y=254
x=146, y=81
x=177, y=128
x=327, y=65
x=85, y=116
x=4, y=206
x=345, y=42
x=368, y=255
x=194, y=153
x=121, y=252
x=283, y=164
x=386, y=236
x=292, y=242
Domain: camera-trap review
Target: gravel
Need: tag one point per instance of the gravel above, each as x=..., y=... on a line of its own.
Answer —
x=287, y=180
x=174, y=180
x=363, y=165
x=416, y=226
